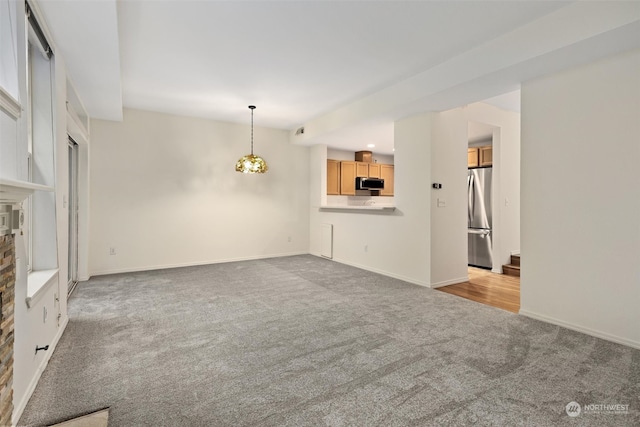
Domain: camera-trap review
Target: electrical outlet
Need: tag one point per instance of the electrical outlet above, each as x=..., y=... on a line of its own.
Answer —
x=112, y=251
x=289, y=239
x=366, y=248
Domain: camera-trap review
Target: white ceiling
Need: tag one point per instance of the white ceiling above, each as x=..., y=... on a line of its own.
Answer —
x=507, y=101
x=300, y=62
x=86, y=34
x=294, y=60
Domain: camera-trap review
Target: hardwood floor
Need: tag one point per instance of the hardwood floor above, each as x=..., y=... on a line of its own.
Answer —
x=496, y=290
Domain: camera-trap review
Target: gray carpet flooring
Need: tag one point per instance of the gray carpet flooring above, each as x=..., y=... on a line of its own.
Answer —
x=303, y=341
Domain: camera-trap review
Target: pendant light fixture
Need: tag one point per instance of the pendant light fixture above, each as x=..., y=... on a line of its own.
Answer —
x=251, y=163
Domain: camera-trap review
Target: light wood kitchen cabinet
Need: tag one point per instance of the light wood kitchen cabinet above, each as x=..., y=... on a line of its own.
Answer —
x=362, y=170
x=486, y=156
x=374, y=170
x=386, y=173
x=480, y=156
x=341, y=177
x=348, y=178
x=473, y=157
x=333, y=177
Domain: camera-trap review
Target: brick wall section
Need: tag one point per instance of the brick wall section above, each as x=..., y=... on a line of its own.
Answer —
x=7, y=299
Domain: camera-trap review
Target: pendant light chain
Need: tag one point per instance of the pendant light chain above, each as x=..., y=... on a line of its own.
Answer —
x=252, y=129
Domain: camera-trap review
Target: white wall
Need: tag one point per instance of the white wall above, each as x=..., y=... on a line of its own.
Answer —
x=397, y=244
x=164, y=192
x=581, y=203
x=335, y=154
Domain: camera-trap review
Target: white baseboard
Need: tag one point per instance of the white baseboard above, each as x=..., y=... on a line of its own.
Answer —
x=449, y=282
x=588, y=331
x=375, y=270
x=19, y=408
x=191, y=264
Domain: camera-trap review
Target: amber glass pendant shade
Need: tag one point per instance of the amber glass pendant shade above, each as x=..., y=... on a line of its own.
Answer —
x=251, y=163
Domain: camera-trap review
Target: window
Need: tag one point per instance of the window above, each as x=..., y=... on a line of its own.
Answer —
x=8, y=50
x=10, y=109
x=40, y=225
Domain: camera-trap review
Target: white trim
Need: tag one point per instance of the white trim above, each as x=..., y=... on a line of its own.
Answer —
x=19, y=408
x=37, y=282
x=588, y=331
x=497, y=270
x=375, y=270
x=13, y=192
x=75, y=127
x=5, y=223
x=190, y=264
x=9, y=104
x=357, y=208
x=449, y=282
x=516, y=252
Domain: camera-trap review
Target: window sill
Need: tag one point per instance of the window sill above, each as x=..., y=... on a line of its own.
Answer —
x=357, y=208
x=37, y=284
x=13, y=192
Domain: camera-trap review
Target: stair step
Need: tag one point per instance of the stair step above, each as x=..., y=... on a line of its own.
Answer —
x=511, y=270
x=515, y=260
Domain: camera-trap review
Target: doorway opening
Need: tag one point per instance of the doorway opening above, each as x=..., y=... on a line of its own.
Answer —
x=72, y=271
x=492, y=203
x=481, y=192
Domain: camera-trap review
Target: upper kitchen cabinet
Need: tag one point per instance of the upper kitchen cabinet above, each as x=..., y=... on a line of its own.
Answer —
x=486, y=156
x=333, y=177
x=362, y=170
x=473, y=157
x=374, y=170
x=348, y=178
x=386, y=173
x=480, y=156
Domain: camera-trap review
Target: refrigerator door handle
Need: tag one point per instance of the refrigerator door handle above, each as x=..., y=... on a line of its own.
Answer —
x=482, y=232
x=471, y=194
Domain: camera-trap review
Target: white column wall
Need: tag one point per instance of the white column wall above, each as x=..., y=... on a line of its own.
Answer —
x=580, y=198
x=449, y=222
x=397, y=243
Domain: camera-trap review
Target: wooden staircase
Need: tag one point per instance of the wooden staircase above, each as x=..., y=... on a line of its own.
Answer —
x=512, y=269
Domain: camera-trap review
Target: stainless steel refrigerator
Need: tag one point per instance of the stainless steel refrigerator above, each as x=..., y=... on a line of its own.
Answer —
x=479, y=217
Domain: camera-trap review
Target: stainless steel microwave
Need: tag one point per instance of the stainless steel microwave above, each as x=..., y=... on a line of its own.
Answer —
x=369, y=183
